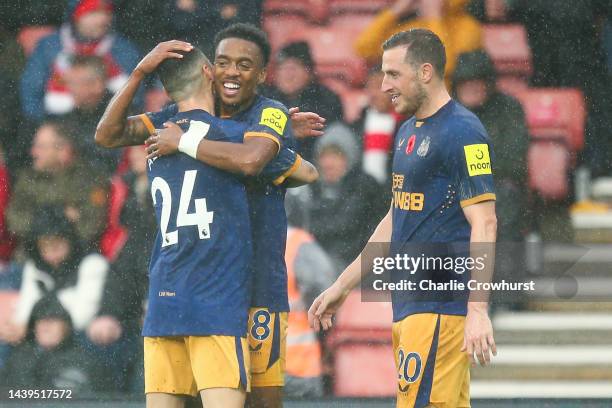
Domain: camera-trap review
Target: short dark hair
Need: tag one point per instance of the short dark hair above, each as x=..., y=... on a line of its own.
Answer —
x=247, y=32
x=94, y=62
x=422, y=46
x=180, y=75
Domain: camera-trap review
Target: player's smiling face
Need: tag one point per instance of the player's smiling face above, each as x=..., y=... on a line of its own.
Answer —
x=401, y=82
x=239, y=70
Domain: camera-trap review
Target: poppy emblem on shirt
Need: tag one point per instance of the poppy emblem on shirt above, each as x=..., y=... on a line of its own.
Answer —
x=410, y=145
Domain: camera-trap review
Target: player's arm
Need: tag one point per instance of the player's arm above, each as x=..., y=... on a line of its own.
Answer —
x=305, y=173
x=478, y=337
x=327, y=303
x=115, y=128
x=248, y=158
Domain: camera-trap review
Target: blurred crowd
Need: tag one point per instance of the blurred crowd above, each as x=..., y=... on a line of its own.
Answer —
x=76, y=220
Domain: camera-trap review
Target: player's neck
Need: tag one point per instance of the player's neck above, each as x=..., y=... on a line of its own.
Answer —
x=203, y=101
x=227, y=111
x=434, y=101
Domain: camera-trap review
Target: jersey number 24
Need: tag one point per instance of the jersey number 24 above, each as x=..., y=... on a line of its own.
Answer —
x=201, y=217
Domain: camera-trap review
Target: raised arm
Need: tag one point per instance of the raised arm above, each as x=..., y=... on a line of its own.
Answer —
x=115, y=128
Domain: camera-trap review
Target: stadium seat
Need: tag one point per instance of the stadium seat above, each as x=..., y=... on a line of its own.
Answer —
x=29, y=36
x=549, y=164
x=364, y=370
x=353, y=99
x=507, y=45
x=555, y=113
x=8, y=300
x=512, y=84
x=358, y=6
x=155, y=99
x=114, y=237
x=332, y=47
x=279, y=28
x=362, y=321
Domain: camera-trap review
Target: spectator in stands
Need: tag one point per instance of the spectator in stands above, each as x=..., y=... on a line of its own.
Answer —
x=334, y=209
x=49, y=357
x=459, y=31
x=86, y=83
x=295, y=84
x=59, y=178
x=199, y=21
x=58, y=266
x=17, y=14
x=6, y=240
x=504, y=120
x=43, y=87
x=116, y=329
x=309, y=272
x=377, y=126
x=566, y=42
x=12, y=61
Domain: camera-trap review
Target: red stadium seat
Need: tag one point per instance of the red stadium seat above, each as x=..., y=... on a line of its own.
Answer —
x=114, y=237
x=362, y=321
x=156, y=99
x=507, y=45
x=549, y=163
x=353, y=99
x=332, y=47
x=512, y=85
x=8, y=302
x=364, y=370
x=279, y=28
x=555, y=113
x=29, y=36
x=358, y=6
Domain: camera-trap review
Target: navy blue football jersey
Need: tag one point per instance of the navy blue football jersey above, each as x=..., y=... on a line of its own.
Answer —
x=200, y=279
x=265, y=118
x=440, y=165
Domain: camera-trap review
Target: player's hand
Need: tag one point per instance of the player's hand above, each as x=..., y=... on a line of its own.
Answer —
x=161, y=52
x=165, y=142
x=306, y=124
x=478, y=335
x=325, y=306
x=104, y=330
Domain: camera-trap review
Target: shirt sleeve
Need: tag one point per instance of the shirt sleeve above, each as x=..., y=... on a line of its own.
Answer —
x=281, y=167
x=272, y=122
x=470, y=159
x=155, y=120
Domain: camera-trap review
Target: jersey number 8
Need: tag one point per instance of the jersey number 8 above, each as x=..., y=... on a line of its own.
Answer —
x=202, y=218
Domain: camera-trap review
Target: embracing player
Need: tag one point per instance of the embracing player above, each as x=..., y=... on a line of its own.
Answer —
x=242, y=53
x=442, y=194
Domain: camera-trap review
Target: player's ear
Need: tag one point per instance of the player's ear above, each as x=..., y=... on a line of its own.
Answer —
x=426, y=72
x=208, y=71
x=262, y=76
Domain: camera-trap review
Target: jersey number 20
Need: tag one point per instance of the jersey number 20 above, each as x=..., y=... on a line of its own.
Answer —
x=201, y=217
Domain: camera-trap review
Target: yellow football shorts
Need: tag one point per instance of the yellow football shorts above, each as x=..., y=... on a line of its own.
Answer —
x=267, y=337
x=432, y=369
x=187, y=365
